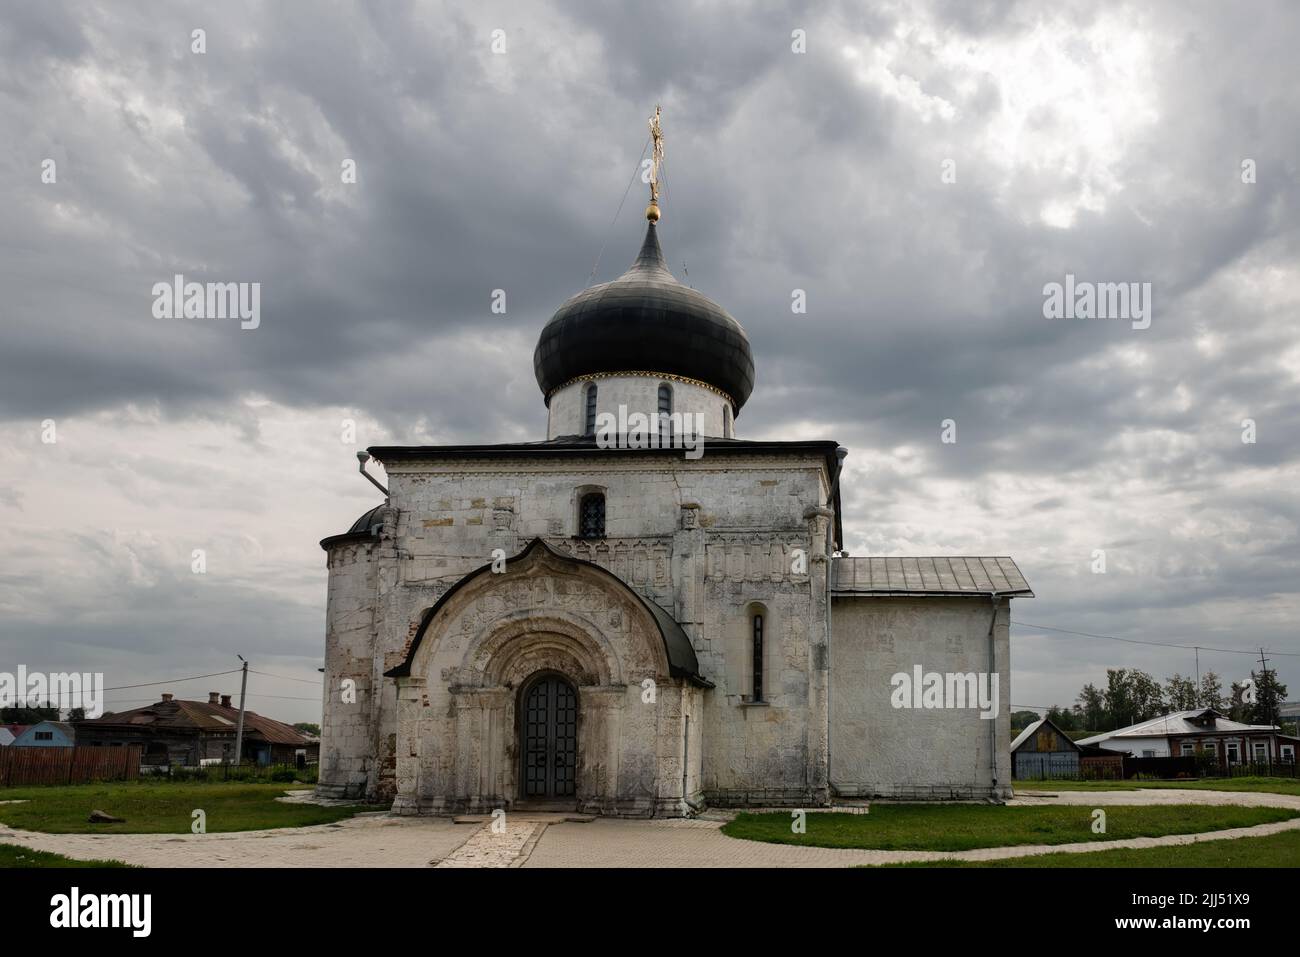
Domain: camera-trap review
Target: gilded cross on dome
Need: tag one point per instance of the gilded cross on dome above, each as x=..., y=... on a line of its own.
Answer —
x=656, y=163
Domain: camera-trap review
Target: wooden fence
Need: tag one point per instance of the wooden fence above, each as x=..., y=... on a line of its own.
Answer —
x=1278, y=769
x=1098, y=767
x=76, y=765
x=1165, y=768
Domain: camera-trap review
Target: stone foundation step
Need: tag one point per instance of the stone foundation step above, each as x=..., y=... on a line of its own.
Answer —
x=839, y=807
x=542, y=817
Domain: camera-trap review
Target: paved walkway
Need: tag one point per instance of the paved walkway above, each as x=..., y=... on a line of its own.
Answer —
x=367, y=840
x=549, y=840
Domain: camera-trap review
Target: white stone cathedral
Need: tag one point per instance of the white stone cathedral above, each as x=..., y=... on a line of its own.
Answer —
x=628, y=627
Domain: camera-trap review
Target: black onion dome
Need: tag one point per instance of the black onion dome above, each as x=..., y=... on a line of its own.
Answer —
x=645, y=321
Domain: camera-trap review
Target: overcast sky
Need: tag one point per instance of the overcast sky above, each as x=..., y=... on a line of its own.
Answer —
x=1101, y=140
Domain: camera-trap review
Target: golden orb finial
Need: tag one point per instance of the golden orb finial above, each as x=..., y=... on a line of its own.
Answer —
x=652, y=212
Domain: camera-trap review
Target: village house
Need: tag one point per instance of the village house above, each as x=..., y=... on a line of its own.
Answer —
x=190, y=733
x=1043, y=750
x=47, y=734
x=1202, y=731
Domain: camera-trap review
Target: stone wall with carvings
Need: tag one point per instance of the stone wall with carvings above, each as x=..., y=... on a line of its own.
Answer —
x=457, y=745
x=706, y=540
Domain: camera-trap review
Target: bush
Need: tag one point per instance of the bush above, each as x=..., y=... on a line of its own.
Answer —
x=247, y=773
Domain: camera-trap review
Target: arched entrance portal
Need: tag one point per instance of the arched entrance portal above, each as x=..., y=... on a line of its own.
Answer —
x=526, y=688
x=548, y=737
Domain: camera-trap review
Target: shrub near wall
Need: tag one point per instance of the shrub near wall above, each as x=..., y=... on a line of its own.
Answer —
x=250, y=773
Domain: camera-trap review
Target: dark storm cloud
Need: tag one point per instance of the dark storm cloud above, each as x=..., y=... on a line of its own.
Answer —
x=818, y=171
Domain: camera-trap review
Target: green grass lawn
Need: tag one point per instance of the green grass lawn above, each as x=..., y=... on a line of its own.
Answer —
x=960, y=827
x=161, y=808
x=1268, y=785
x=1275, y=850
x=12, y=855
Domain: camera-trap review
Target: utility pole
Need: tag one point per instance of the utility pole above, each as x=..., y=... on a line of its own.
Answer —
x=239, y=729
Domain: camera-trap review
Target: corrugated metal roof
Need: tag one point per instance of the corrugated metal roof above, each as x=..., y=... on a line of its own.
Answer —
x=1023, y=736
x=1179, y=723
x=63, y=726
x=937, y=575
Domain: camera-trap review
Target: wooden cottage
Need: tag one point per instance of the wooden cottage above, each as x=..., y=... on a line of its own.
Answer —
x=1043, y=750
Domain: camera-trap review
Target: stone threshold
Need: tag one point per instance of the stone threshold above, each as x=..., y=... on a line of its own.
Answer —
x=537, y=817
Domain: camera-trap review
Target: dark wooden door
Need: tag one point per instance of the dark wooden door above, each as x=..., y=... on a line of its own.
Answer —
x=550, y=733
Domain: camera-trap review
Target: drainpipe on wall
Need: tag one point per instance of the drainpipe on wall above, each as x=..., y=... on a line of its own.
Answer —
x=830, y=680
x=840, y=454
x=993, y=725
x=362, y=458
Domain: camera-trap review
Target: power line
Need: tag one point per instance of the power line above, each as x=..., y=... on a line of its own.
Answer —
x=1142, y=641
x=306, y=681
x=251, y=694
x=149, y=684
x=610, y=230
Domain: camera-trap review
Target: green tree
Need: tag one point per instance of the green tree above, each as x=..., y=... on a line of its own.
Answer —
x=306, y=727
x=1121, y=710
x=1238, y=709
x=1181, y=693
x=1063, y=718
x=1090, y=709
x=1211, y=692
x=28, y=715
x=1269, y=695
x=1148, y=696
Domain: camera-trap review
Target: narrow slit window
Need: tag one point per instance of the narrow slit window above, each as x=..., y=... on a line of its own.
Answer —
x=665, y=410
x=757, y=694
x=589, y=419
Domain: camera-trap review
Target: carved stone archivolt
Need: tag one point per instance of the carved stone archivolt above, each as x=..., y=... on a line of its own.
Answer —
x=542, y=608
x=525, y=643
